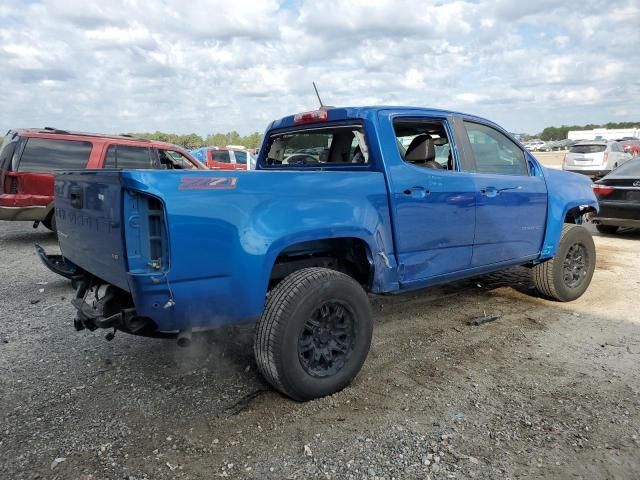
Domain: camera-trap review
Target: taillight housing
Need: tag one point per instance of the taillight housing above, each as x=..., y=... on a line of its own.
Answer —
x=11, y=185
x=605, y=157
x=310, y=117
x=602, y=190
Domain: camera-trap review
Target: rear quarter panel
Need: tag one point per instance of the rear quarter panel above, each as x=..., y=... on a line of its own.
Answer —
x=226, y=230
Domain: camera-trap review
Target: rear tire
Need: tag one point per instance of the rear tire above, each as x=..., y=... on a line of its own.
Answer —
x=568, y=274
x=50, y=223
x=607, y=229
x=314, y=334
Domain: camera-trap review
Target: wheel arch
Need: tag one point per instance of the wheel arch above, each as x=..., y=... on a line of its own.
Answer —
x=353, y=254
x=572, y=212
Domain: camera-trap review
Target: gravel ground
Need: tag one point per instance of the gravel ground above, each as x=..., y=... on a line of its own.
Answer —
x=547, y=390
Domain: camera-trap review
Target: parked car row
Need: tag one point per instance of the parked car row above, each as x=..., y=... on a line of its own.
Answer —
x=549, y=146
x=29, y=157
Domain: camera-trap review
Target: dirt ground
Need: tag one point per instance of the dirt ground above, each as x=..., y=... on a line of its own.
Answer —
x=546, y=391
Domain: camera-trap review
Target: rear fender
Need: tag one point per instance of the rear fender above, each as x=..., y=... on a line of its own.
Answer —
x=382, y=265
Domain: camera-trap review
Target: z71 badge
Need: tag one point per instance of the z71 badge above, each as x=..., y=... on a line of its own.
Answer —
x=208, y=183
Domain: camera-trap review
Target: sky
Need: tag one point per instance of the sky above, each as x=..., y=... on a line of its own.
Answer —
x=215, y=66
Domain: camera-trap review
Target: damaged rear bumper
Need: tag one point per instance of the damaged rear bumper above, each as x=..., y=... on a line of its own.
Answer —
x=58, y=264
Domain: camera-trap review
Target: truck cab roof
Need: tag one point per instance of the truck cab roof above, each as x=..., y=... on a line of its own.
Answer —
x=353, y=113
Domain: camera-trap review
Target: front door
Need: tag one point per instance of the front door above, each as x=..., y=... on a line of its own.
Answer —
x=433, y=201
x=511, y=199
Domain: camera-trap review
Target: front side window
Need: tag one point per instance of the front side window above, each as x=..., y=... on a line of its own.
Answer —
x=424, y=144
x=221, y=156
x=329, y=146
x=494, y=152
x=43, y=155
x=172, y=160
x=126, y=157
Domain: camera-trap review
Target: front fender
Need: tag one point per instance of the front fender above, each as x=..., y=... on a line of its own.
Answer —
x=566, y=191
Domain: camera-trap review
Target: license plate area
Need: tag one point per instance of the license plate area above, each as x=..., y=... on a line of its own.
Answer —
x=633, y=196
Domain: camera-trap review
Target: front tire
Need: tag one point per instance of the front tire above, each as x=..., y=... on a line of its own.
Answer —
x=314, y=334
x=607, y=229
x=568, y=274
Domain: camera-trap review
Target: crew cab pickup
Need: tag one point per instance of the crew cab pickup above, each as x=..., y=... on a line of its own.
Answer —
x=343, y=202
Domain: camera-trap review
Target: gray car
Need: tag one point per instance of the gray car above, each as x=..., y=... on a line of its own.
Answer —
x=594, y=158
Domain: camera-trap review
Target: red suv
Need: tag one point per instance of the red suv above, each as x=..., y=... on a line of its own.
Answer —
x=28, y=158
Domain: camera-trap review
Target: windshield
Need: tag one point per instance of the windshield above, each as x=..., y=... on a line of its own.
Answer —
x=173, y=160
x=327, y=146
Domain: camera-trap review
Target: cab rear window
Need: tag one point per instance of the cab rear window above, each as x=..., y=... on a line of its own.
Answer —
x=318, y=147
x=42, y=155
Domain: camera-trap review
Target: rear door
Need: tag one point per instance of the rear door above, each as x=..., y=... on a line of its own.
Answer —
x=511, y=198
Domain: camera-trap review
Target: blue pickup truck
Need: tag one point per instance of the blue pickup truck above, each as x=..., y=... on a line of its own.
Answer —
x=344, y=202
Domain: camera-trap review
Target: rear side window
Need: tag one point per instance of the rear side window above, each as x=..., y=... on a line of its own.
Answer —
x=494, y=152
x=125, y=157
x=42, y=155
x=221, y=156
x=587, y=148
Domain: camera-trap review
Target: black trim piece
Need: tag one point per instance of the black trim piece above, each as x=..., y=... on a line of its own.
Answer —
x=468, y=162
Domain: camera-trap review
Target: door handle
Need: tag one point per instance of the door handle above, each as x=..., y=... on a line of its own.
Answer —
x=416, y=192
x=75, y=196
x=491, y=192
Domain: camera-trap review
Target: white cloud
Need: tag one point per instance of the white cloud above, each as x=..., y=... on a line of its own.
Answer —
x=207, y=66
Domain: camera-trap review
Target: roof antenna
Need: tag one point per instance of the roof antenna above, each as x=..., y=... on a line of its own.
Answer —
x=322, y=105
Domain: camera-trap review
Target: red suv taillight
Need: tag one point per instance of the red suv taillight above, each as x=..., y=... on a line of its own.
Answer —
x=10, y=184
